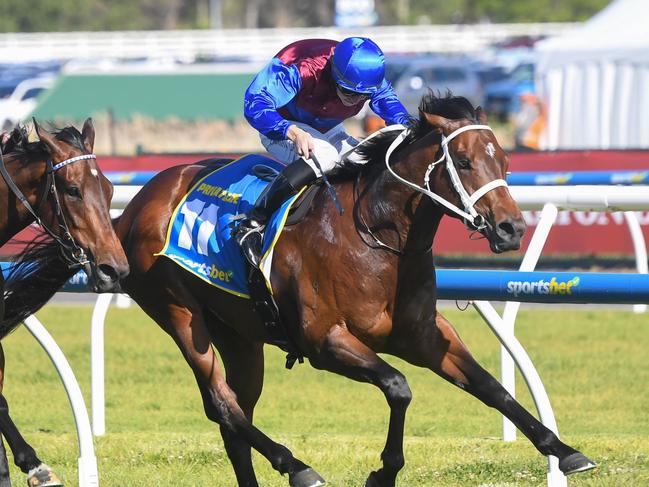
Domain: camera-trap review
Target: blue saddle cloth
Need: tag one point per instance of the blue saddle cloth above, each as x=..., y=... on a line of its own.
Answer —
x=199, y=237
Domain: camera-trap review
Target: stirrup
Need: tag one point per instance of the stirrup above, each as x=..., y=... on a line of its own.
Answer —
x=246, y=225
x=249, y=236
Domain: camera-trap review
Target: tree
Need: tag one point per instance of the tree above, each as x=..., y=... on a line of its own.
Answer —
x=92, y=15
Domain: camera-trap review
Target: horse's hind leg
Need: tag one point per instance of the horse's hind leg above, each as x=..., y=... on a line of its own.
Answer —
x=181, y=316
x=440, y=349
x=344, y=354
x=244, y=371
x=24, y=455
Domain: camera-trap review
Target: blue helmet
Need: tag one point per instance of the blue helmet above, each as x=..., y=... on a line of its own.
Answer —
x=358, y=65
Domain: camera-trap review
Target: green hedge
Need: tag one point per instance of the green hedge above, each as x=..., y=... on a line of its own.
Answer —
x=158, y=96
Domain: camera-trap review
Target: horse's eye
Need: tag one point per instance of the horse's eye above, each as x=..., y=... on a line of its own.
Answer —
x=73, y=191
x=464, y=163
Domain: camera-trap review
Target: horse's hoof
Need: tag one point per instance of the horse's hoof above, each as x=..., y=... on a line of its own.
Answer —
x=372, y=480
x=43, y=476
x=305, y=478
x=575, y=463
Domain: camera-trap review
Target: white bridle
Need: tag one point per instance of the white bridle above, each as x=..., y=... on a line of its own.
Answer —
x=468, y=201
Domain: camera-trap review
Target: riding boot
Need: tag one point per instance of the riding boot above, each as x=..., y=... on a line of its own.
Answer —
x=285, y=185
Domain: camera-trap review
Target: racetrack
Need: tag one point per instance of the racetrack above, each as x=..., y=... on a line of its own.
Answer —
x=593, y=363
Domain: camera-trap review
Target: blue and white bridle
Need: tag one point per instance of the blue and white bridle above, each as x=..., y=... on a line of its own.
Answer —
x=82, y=157
x=71, y=252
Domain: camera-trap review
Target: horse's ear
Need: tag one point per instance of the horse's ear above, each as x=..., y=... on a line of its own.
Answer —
x=88, y=134
x=48, y=140
x=481, y=115
x=435, y=121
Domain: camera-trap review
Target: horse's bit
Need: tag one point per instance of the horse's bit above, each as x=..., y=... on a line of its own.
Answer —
x=71, y=252
x=469, y=214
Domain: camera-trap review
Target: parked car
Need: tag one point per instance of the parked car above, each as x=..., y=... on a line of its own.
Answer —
x=7, y=87
x=488, y=73
x=21, y=102
x=502, y=98
x=413, y=77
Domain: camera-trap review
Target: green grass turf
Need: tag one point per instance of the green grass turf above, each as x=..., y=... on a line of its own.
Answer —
x=595, y=366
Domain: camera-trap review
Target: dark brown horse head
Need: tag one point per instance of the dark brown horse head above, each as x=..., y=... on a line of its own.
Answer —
x=83, y=194
x=471, y=175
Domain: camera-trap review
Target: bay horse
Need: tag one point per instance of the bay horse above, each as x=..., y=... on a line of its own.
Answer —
x=348, y=286
x=57, y=183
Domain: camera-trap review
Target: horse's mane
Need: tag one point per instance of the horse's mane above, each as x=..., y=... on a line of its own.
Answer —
x=18, y=143
x=448, y=106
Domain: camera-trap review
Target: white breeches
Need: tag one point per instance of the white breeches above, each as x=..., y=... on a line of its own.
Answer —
x=327, y=147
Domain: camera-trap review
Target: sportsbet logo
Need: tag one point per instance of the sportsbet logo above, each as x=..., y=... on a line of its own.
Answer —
x=542, y=286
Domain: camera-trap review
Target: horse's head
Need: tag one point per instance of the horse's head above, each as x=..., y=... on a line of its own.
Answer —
x=77, y=207
x=472, y=178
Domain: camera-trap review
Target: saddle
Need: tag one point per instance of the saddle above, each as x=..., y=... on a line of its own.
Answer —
x=299, y=208
x=301, y=205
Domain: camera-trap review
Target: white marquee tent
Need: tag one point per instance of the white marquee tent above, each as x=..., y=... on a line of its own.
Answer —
x=594, y=81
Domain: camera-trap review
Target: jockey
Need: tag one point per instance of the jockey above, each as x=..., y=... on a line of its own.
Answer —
x=298, y=103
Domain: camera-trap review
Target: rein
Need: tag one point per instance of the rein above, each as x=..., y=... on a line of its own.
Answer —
x=379, y=242
x=469, y=214
x=71, y=252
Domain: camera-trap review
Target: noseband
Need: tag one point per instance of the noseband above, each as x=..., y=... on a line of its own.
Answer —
x=72, y=253
x=469, y=214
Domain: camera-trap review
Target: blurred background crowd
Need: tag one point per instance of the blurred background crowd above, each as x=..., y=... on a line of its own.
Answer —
x=169, y=75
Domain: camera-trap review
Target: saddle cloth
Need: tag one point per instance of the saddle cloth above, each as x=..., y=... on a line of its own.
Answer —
x=199, y=237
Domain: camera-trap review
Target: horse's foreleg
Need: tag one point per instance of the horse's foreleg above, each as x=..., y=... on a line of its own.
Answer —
x=344, y=354
x=5, y=479
x=439, y=348
x=24, y=455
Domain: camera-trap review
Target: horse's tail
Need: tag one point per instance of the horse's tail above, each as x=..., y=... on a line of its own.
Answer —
x=37, y=273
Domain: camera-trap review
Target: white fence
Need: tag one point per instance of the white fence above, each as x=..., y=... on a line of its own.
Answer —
x=257, y=44
x=550, y=198
x=598, y=198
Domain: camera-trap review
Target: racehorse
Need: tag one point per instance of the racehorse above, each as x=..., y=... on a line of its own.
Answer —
x=376, y=292
x=57, y=183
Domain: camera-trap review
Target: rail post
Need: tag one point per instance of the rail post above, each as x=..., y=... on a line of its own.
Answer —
x=87, y=463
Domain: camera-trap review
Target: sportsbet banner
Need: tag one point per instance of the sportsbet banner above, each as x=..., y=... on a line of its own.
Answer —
x=543, y=287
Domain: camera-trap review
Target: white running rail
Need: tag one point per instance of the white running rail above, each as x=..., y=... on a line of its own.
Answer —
x=88, y=475
x=258, y=44
x=551, y=199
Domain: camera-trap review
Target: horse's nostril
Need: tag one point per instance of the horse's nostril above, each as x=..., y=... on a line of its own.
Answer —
x=109, y=272
x=506, y=228
x=511, y=229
